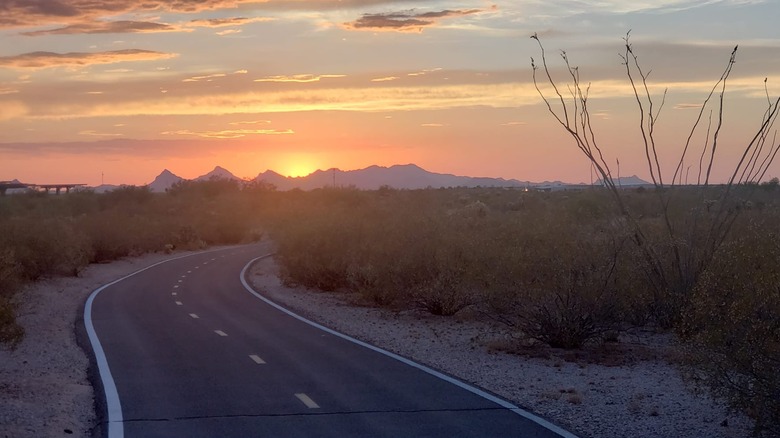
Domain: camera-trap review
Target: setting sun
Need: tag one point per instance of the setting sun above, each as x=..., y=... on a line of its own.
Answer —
x=296, y=165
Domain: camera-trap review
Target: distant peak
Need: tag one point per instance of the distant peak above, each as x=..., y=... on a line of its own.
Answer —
x=407, y=166
x=269, y=172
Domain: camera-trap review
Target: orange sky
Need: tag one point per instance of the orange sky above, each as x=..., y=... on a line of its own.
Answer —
x=122, y=89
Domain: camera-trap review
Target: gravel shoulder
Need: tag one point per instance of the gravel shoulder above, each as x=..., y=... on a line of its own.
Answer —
x=45, y=390
x=44, y=385
x=644, y=398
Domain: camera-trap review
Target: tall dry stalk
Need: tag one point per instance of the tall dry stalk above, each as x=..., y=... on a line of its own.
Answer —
x=673, y=265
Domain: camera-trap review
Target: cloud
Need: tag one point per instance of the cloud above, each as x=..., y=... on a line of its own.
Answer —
x=99, y=134
x=424, y=72
x=33, y=13
x=297, y=78
x=407, y=21
x=12, y=110
x=23, y=13
x=207, y=78
x=40, y=60
x=513, y=124
x=250, y=122
x=432, y=125
x=385, y=79
x=211, y=77
x=6, y=90
x=230, y=133
x=227, y=22
x=100, y=27
x=228, y=32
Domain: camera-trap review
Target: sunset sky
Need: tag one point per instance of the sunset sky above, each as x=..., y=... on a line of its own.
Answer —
x=126, y=88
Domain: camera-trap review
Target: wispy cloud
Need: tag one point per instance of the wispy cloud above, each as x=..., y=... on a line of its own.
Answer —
x=424, y=72
x=207, y=78
x=227, y=32
x=40, y=60
x=6, y=90
x=20, y=13
x=12, y=110
x=406, y=21
x=100, y=27
x=385, y=79
x=432, y=125
x=250, y=122
x=230, y=133
x=99, y=134
x=298, y=78
x=228, y=22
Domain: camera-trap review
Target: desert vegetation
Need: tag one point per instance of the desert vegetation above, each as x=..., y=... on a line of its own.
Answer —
x=564, y=269
x=556, y=268
x=561, y=268
x=46, y=235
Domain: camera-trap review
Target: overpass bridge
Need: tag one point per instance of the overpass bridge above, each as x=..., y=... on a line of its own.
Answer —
x=6, y=185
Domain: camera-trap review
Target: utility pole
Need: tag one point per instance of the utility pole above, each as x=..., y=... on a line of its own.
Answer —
x=334, y=177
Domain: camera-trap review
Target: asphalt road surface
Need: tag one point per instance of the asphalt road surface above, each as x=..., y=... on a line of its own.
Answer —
x=185, y=349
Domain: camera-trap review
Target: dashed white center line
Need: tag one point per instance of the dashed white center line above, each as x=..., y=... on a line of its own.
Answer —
x=190, y=272
x=220, y=332
x=175, y=286
x=174, y=293
x=196, y=267
x=179, y=303
x=305, y=399
x=257, y=359
x=183, y=276
x=194, y=316
x=205, y=263
x=180, y=281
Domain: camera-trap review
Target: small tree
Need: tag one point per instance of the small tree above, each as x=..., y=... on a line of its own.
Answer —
x=721, y=294
x=674, y=263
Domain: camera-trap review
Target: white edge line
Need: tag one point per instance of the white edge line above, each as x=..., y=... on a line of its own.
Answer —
x=113, y=405
x=501, y=402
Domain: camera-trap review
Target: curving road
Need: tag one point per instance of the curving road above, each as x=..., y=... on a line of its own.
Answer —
x=186, y=349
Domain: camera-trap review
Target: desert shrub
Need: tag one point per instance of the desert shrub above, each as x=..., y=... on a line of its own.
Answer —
x=315, y=251
x=130, y=199
x=566, y=284
x=43, y=235
x=207, y=189
x=10, y=332
x=732, y=328
x=444, y=250
x=45, y=247
x=418, y=261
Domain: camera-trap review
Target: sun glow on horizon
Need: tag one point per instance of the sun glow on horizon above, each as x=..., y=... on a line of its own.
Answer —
x=297, y=165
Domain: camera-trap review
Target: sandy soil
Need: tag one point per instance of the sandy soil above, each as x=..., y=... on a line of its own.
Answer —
x=45, y=391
